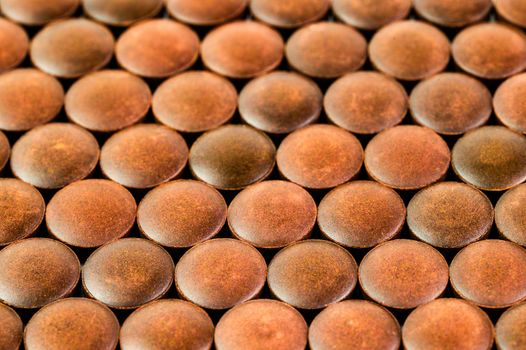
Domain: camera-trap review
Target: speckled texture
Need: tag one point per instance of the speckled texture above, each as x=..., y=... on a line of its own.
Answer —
x=403, y=274
x=450, y=103
x=509, y=102
x=194, y=101
x=22, y=210
x=354, y=324
x=490, y=50
x=85, y=323
x=108, y=100
x=28, y=98
x=54, y=155
x=450, y=215
x=11, y=330
x=361, y=214
x=89, y=213
x=492, y=158
x=490, y=273
x=409, y=50
x=157, y=48
x=326, y=50
x=37, y=271
x=232, y=157
x=510, y=328
x=272, y=214
x=365, y=102
x=167, y=324
x=72, y=47
x=144, y=156
x=319, y=156
x=510, y=214
x=260, y=325
x=128, y=273
x=242, y=49
x=312, y=274
x=220, y=273
x=280, y=102
x=407, y=157
x=448, y=324
x=181, y=213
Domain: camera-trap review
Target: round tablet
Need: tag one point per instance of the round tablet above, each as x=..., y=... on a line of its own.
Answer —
x=220, y=273
x=510, y=328
x=319, y=156
x=407, y=157
x=452, y=13
x=450, y=215
x=72, y=324
x=447, y=324
x=510, y=214
x=128, y=273
x=242, y=49
x=509, y=103
x=90, y=213
x=450, y=103
x=167, y=324
x=326, y=50
x=15, y=44
x=11, y=330
x=5, y=150
x=71, y=48
x=37, y=271
x=354, y=324
x=368, y=15
x=511, y=10
x=121, y=13
x=144, y=156
x=409, y=50
x=490, y=50
x=194, y=101
x=54, y=155
x=205, y=12
x=312, y=274
x=365, y=102
x=37, y=12
x=492, y=158
x=157, y=48
x=108, y=100
x=232, y=157
x=181, y=213
x=28, y=98
x=259, y=325
x=490, y=273
x=22, y=210
x=361, y=214
x=289, y=14
x=280, y=102
x=403, y=274
x=272, y=214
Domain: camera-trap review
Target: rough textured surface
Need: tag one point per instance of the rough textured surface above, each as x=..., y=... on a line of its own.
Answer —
x=260, y=325
x=272, y=214
x=403, y=274
x=128, y=273
x=509, y=102
x=312, y=274
x=167, y=324
x=85, y=323
x=450, y=215
x=490, y=273
x=220, y=273
x=448, y=324
x=510, y=215
x=361, y=214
